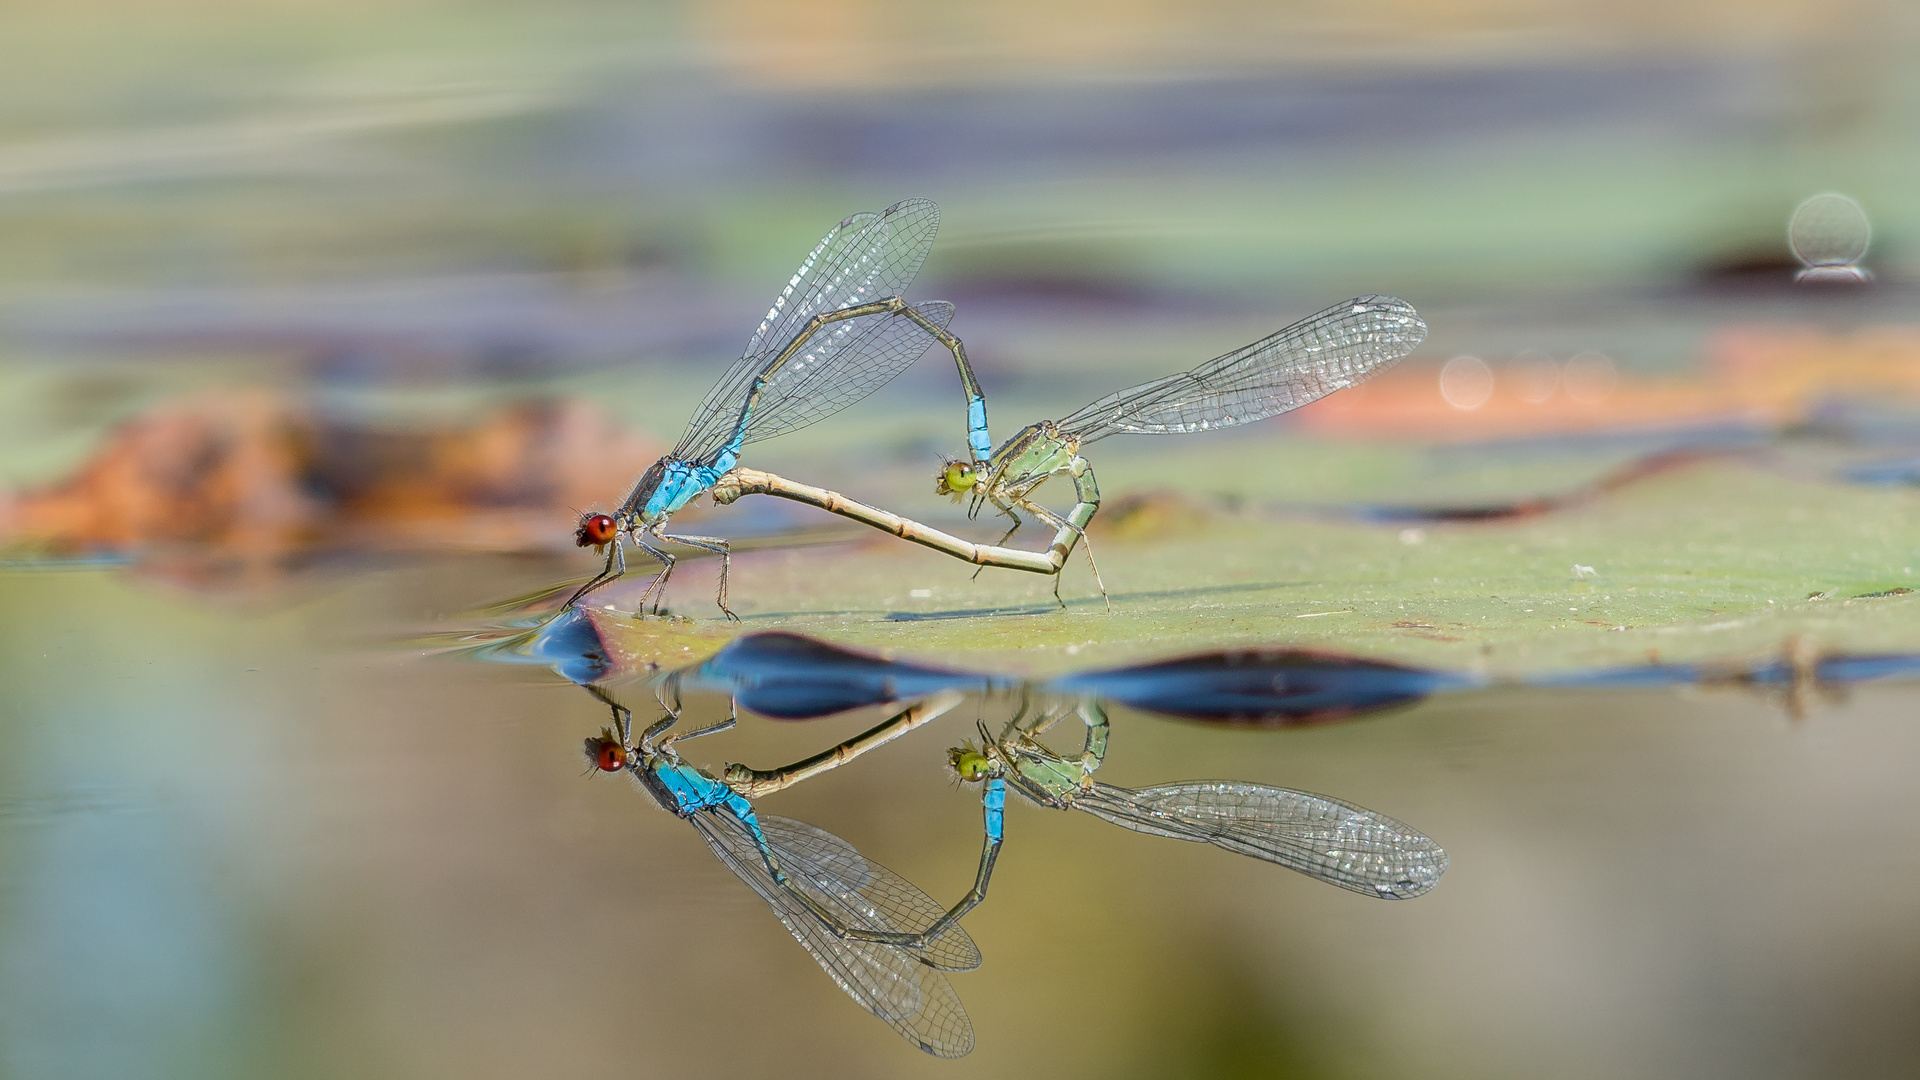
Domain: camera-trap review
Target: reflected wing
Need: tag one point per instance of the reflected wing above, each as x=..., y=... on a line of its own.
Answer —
x=1335, y=349
x=1323, y=838
x=882, y=899
x=914, y=999
x=866, y=257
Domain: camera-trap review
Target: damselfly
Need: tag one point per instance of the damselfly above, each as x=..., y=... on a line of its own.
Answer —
x=1325, y=839
x=885, y=942
x=1329, y=351
x=840, y=330
x=1321, y=837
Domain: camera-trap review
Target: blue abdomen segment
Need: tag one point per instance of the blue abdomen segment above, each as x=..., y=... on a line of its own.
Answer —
x=994, y=801
x=743, y=810
x=977, y=437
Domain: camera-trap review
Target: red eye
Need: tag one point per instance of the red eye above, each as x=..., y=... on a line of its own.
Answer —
x=606, y=754
x=595, y=530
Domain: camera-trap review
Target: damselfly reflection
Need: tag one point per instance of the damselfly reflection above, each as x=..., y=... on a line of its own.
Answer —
x=1326, y=839
x=885, y=942
x=841, y=907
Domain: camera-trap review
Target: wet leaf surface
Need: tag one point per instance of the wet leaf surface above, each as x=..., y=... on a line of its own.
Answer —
x=1714, y=560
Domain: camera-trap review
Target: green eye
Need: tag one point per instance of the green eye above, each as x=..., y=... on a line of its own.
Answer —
x=955, y=477
x=970, y=764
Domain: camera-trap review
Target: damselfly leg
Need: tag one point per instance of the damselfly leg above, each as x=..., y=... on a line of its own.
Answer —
x=707, y=543
x=616, y=567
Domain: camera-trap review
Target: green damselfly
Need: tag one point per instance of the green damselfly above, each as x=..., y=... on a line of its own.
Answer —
x=1328, y=351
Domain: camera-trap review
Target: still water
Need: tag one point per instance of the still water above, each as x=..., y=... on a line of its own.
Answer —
x=275, y=828
x=266, y=837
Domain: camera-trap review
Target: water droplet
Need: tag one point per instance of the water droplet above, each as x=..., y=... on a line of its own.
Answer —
x=1829, y=234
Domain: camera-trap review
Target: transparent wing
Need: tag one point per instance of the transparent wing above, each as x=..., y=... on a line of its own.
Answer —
x=915, y=1000
x=845, y=363
x=883, y=899
x=1335, y=349
x=1323, y=838
x=866, y=257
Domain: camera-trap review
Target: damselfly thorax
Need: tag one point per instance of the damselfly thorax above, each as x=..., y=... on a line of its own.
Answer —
x=1024, y=462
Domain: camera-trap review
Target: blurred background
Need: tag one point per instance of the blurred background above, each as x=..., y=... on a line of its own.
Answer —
x=317, y=322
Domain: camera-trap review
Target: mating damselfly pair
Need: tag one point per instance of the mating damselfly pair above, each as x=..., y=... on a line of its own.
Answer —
x=888, y=944
x=843, y=328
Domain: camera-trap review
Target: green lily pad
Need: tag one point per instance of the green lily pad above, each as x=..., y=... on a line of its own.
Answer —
x=1719, y=560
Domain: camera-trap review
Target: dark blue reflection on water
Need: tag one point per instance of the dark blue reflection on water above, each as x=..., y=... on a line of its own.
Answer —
x=786, y=676
x=791, y=677
x=1785, y=671
x=569, y=643
x=1263, y=687
x=1851, y=669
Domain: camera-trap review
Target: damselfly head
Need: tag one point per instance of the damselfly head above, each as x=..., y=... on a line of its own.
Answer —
x=595, y=531
x=968, y=764
x=604, y=752
x=955, y=478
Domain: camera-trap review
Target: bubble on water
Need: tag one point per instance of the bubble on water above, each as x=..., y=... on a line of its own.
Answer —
x=1590, y=378
x=1829, y=234
x=1466, y=382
